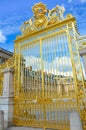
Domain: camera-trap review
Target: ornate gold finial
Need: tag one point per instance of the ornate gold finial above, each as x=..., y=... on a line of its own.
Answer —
x=39, y=10
x=40, y=18
x=43, y=17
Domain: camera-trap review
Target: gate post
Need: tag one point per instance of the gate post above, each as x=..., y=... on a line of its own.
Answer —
x=6, y=100
x=75, y=122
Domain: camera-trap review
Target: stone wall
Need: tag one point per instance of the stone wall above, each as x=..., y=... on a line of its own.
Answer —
x=6, y=100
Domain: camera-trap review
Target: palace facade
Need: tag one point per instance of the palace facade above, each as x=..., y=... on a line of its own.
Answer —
x=4, y=55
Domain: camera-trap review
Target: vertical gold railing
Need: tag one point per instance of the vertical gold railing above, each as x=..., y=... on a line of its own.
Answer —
x=46, y=91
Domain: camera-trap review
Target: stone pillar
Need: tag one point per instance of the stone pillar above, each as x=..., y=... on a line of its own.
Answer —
x=75, y=122
x=1, y=120
x=6, y=100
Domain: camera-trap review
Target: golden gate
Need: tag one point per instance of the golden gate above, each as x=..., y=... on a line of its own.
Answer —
x=48, y=81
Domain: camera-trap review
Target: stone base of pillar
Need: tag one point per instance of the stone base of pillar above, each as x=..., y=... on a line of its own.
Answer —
x=7, y=105
x=75, y=122
x=1, y=120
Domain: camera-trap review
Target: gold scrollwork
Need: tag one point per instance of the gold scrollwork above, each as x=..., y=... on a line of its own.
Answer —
x=42, y=17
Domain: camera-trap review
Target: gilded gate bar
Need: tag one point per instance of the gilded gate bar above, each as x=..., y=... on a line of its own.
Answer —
x=49, y=81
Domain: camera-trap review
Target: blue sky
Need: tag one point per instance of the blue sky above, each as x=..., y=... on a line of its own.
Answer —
x=14, y=12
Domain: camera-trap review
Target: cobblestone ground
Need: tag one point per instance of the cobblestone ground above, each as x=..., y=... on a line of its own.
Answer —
x=23, y=128
x=26, y=128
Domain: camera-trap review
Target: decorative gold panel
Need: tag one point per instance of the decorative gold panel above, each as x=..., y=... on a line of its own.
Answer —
x=43, y=18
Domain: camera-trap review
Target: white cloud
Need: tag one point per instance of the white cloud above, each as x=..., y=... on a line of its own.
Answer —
x=59, y=66
x=82, y=1
x=2, y=37
x=8, y=30
x=11, y=25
